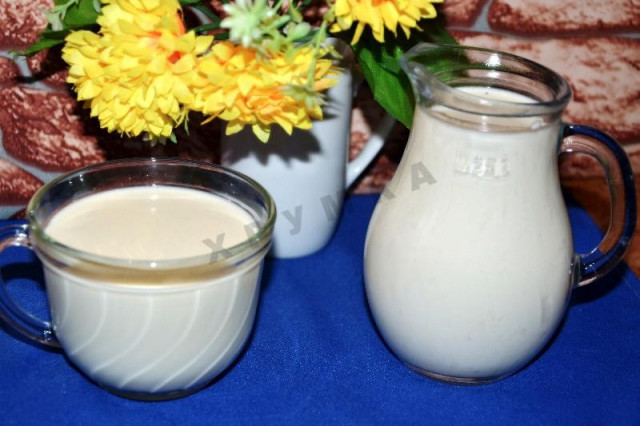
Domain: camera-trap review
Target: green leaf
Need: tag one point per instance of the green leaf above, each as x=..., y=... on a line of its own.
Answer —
x=45, y=40
x=206, y=11
x=206, y=27
x=380, y=63
x=390, y=86
x=40, y=45
x=80, y=14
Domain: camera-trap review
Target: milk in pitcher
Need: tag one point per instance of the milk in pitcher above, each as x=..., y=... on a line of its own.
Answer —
x=466, y=274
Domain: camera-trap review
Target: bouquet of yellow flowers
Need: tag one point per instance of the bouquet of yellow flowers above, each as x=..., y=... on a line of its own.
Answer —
x=140, y=69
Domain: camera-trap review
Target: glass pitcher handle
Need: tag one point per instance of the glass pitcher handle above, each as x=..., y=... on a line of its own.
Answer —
x=614, y=160
x=32, y=327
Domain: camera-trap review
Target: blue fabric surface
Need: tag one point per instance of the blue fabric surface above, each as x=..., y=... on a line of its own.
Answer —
x=315, y=357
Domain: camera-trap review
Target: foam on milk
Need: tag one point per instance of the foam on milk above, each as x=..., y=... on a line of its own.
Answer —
x=150, y=223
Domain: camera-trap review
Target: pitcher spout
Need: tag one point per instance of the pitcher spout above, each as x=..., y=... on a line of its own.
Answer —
x=436, y=71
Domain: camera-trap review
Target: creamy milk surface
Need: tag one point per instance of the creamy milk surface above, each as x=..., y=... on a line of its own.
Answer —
x=468, y=253
x=151, y=223
x=169, y=337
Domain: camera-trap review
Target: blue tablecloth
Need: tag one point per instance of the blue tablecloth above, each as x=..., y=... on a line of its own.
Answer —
x=315, y=358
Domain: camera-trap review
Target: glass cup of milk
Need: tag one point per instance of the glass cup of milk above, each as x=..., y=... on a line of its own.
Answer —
x=152, y=271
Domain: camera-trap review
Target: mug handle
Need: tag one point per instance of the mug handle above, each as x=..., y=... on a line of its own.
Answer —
x=27, y=324
x=370, y=150
x=614, y=161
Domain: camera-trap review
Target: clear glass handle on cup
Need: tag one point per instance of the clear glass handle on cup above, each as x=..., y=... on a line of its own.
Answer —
x=32, y=327
x=614, y=160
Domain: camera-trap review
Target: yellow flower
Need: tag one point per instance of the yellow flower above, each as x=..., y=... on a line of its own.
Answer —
x=244, y=88
x=147, y=15
x=381, y=14
x=136, y=74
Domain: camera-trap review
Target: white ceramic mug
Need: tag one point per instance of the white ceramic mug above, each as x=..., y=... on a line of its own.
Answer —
x=308, y=172
x=145, y=328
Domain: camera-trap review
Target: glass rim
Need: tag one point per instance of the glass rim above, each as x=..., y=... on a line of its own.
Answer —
x=470, y=103
x=230, y=256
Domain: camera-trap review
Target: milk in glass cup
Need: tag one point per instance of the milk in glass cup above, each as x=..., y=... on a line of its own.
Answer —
x=152, y=271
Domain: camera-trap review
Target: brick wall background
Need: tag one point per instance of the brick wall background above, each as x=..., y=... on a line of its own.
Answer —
x=594, y=44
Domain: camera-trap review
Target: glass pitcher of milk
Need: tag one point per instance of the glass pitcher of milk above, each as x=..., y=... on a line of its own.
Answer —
x=469, y=259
